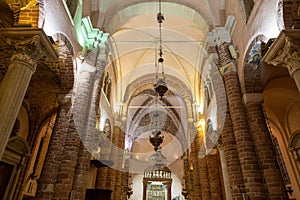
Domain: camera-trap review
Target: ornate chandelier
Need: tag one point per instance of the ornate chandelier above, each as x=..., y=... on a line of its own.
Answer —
x=156, y=138
x=160, y=86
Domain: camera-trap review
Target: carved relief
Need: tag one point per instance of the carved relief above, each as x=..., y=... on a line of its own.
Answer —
x=288, y=56
x=28, y=50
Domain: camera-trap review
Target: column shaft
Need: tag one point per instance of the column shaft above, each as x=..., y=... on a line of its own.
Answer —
x=111, y=176
x=226, y=181
x=232, y=160
x=191, y=183
x=265, y=151
x=12, y=89
x=54, y=155
x=203, y=172
x=87, y=104
x=119, y=177
x=101, y=178
x=65, y=176
x=244, y=143
x=82, y=105
x=196, y=178
x=246, y=150
x=214, y=177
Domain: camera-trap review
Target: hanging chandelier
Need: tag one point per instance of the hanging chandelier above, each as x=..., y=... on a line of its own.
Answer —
x=156, y=137
x=160, y=86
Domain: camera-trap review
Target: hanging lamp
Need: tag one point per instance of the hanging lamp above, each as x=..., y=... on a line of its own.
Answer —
x=160, y=86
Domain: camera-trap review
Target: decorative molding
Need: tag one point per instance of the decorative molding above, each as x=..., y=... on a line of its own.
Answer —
x=30, y=44
x=285, y=50
x=28, y=50
x=93, y=37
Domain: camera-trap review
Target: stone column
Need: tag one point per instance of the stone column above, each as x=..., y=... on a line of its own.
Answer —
x=236, y=184
x=186, y=175
x=203, y=174
x=112, y=173
x=80, y=112
x=101, y=178
x=15, y=83
x=249, y=164
x=65, y=176
x=85, y=106
x=54, y=155
x=232, y=160
x=190, y=182
x=264, y=146
x=214, y=175
x=196, y=178
x=119, y=178
x=226, y=181
x=285, y=51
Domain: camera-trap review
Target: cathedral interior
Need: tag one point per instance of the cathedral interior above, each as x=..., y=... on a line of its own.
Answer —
x=149, y=100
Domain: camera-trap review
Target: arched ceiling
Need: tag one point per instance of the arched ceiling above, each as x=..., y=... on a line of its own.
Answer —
x=107, y=11
x=134, y=32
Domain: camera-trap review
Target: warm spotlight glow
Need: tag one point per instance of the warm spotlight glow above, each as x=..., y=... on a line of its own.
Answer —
x=201, y=123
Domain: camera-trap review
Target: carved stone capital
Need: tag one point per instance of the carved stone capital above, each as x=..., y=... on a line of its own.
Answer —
x=288, y=56
x=28, y=50
x=27, y=45
x=285, y=51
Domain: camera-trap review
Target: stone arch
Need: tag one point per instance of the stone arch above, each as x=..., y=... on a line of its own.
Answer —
x=172, y=124
x=66, y=62
x=23, y=120
x=181, y=8
x=147, y=82
x=252, y=65
x=61, y=36
x=18, y=145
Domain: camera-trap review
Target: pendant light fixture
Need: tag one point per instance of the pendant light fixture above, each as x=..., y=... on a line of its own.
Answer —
x=160, y=86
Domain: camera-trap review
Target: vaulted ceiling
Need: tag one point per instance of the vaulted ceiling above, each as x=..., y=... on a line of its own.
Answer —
x=134, y=32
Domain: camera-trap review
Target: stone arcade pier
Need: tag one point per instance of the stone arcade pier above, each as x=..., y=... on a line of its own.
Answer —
x=31, y=46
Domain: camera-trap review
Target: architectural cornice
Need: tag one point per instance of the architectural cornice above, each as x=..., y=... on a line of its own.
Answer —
x=93, y=37
x=22, y=34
